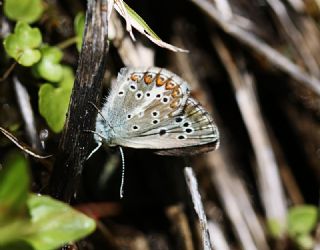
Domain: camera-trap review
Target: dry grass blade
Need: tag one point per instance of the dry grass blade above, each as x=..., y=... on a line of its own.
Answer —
x=228, y=193
x=219, y=242
x=23, y=100
x=181, y=227
x=260, y=47
x=295, y=36
x=198, y=207
x=268, y=173
x=232, y=192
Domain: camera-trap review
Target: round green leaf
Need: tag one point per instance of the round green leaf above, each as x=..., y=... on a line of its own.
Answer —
x=29, y=57
x=23, y=10
x=54, y=102
x=23, y=43
x=49, y=66
x=302, y=219
x=53, y=105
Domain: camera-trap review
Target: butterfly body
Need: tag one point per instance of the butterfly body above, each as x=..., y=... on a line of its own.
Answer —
x=152, y=108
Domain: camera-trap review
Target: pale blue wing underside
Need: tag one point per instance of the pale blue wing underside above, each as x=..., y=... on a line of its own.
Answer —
x=151, y=108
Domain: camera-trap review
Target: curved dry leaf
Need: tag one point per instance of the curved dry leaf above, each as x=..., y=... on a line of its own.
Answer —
x=134, y=20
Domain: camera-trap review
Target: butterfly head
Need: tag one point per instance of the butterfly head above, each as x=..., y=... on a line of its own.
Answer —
x=104, y=131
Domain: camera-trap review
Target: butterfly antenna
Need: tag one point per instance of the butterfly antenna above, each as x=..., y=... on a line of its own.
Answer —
x=122, y=172
x=99, y=112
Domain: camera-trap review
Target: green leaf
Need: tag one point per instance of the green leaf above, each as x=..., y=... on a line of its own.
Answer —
x=56, y=223
x=11, y=231
x=274, y=228
x=49, y=66
x=14, y=184
x=54, y=101
x=23, y=43
x=302, y=219
x=304, y=241
x=79, y=22
x=23, y=10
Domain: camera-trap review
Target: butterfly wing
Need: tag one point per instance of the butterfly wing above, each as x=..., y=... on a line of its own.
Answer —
x=151, y=108
x=192, y=127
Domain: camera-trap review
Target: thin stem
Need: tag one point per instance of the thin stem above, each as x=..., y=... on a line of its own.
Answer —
x=8, y=71
x=67, y=43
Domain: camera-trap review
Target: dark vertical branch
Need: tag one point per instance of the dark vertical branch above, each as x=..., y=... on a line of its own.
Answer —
x=75, y=143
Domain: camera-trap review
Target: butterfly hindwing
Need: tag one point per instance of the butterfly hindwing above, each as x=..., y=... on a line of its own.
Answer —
x=192, y=127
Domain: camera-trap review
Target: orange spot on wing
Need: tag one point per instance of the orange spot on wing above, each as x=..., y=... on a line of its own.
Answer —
x=148, y=78
x=176, y=92
x=160, y=80
x=170, y=84
x=134, y=77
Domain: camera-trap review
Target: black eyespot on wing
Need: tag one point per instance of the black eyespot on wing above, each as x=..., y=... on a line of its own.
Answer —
x=135, y=127
x=188, y=130
x=179, y=119
x=162, y=132
x=181, y=137
x=186, y=124
x=155, y=121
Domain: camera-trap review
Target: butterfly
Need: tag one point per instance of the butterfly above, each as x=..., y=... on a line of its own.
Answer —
x=152, y=109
